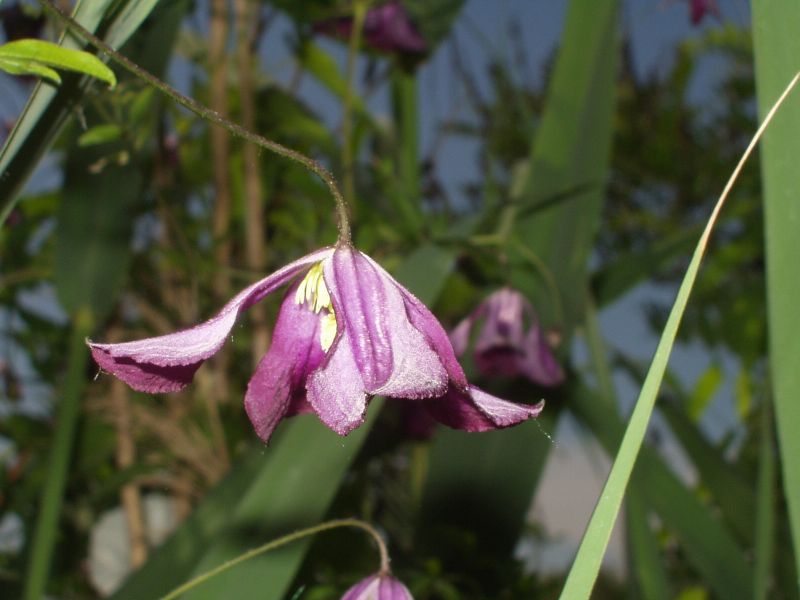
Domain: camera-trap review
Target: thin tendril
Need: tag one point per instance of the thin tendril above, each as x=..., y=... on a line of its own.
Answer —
x=206, y=113
x=282, y=541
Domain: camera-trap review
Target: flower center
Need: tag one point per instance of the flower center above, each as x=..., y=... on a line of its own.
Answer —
x=313, y=292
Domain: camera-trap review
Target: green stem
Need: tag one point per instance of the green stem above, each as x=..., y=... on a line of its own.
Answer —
x=68, y=412
x=282, y=541
x=348, y=161
x=209, y=115
x=404, y=107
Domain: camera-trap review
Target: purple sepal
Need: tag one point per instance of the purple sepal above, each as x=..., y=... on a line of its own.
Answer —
x=167, y=363
x=378, y=587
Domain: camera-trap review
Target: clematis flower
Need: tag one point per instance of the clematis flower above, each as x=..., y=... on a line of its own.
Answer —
x=378, y=587
x=503, y=346
x=698, y=9
x=346, y=331
x=387, y=28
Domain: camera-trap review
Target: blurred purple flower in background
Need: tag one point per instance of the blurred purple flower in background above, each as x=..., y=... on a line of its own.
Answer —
x=698, y=9
x=345, y=332
x=503, y=346
x=387, y=28
x=378, y=587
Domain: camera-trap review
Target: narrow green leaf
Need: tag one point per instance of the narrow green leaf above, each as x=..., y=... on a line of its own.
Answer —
x=101, y=134
x=94, y=227
x=22, y=67
x=703, y=392
x=621, y=276
x=709, y=547
x=48, y=109
x=765, y=515
x=777, y=52
x=47, y=528
x=731, y=491
x=572, y=148
x=649, y=579
x=48, y=54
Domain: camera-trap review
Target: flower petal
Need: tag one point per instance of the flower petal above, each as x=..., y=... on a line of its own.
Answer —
x=393, y=356
x=459, y=337
x=167, y=363
x=424, y=321
x=537, y=362
x=336, y=389
x=277, y=388
x=378, y=587
x=478, y=411
x=503, y=326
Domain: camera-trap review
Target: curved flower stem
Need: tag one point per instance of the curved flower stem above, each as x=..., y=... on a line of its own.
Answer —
x=209, y=115
x=282, y=541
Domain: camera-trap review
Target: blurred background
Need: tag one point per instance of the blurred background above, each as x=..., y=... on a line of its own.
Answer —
x=569, y=150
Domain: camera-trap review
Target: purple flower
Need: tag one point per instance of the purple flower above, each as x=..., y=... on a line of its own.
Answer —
x=346, y=331
x=503, y=346
x=698, y=9
x=386, y=28
x=378, y=587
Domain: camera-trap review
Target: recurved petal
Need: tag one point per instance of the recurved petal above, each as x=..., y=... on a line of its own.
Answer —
x=503, y=326
x=336, y=390
x=476, y=410
x=277, y=388
x=167, y=363
x=423, y=321
x=393, y=357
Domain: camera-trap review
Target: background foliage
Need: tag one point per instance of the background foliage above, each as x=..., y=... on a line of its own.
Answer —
x=587, y=190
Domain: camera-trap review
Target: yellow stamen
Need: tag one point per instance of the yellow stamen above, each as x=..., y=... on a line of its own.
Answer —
x=313, y=292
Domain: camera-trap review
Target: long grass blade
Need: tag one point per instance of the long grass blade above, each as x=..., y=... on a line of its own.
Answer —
x=586, y=567
x=777, y=54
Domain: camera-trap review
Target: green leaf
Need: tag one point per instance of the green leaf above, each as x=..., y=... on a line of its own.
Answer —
x=100, y=134
x=572, y=148
x=14, y=67
x=765, y=516
x=644, y=558
x=703, y=392
x=49, y=108
x=709, y=547
x=32, y=54
x=94, y=229
x=777, y=48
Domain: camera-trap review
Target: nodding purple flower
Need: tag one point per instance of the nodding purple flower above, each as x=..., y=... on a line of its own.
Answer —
x=387, y=28
x=503, y=346
x=378, y=587
x=698, y=9
x=346, y=331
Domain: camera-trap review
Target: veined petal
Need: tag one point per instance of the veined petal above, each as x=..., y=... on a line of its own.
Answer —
x=167, y=363
x=424, y=321
x=277, y=388
x=336, y=390
x=392, y=355
x=476, y=410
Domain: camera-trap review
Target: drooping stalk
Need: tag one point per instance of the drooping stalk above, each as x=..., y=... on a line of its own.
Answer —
x=282, y=541
x=343, y=220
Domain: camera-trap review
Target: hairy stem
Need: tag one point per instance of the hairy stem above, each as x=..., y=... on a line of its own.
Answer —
x=282, y=541
x=209, y=115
